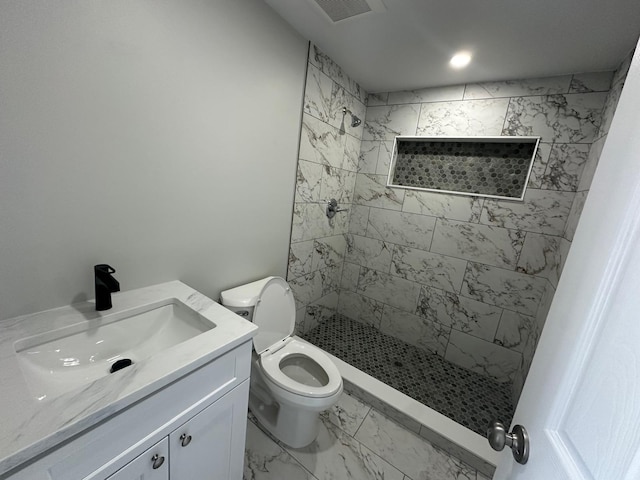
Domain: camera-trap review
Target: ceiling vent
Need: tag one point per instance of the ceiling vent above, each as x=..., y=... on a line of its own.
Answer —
x=338, y=10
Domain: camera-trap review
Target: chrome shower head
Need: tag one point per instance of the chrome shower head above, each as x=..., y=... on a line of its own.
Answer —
x=355, y=121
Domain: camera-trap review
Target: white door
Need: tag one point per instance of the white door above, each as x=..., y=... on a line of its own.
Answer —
x=581, y=401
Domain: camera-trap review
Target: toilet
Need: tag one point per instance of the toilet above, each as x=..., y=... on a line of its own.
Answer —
x=291, y=381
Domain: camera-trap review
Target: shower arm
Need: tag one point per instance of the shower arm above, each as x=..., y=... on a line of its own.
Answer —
x=355, y=121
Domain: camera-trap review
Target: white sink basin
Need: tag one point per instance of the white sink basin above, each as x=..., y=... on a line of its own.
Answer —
x=55, y=362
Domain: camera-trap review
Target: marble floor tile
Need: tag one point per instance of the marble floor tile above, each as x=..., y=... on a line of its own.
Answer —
x=264, y=459
x=348, y=413
x=337, y=455
x=416, y=457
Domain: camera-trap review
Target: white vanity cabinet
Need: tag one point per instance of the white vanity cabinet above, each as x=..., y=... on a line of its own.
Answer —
x=197, y=424
x=205, y=447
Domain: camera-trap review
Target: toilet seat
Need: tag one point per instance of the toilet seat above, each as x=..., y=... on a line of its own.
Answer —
x=270, y=363
x=274, y=314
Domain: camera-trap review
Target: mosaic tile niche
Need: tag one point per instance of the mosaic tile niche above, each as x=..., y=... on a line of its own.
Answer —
x=497, y=168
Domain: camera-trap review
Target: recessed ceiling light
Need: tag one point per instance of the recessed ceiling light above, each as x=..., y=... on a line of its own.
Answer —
x=460, y=60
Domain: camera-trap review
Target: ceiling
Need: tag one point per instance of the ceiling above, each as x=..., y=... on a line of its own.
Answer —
x=408, y=46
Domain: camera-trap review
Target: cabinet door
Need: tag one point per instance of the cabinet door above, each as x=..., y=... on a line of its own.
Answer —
x=210, y=446
x=151, y=465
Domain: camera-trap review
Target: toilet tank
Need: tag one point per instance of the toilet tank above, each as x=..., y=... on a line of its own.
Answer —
x=242, y=300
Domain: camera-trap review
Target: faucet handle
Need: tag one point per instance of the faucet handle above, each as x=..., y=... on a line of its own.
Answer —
x=104, y=268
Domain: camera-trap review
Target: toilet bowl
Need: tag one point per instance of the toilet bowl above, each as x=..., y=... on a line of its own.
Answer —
x=291, y=381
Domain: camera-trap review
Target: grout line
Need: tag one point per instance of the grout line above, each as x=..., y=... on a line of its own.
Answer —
x=524, y=241
x=433, y=234
x=363, y=419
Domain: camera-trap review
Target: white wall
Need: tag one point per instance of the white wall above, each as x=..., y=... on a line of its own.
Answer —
x=158, y=136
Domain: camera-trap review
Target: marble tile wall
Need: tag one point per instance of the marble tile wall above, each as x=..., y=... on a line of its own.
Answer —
x=546, y=255
x=481, y=272
x=484, y=270
x=327, y=168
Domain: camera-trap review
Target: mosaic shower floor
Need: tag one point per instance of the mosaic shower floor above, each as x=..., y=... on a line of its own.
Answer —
x=462, y=395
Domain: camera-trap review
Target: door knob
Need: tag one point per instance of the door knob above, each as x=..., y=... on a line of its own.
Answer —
x=517, y=440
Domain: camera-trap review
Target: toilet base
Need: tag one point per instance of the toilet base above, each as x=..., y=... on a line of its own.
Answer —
x=293, y=427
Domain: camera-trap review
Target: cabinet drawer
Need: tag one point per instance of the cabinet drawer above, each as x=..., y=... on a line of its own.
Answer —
x=150, y=465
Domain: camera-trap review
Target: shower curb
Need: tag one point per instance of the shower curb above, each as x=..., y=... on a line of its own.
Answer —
x=441, y=431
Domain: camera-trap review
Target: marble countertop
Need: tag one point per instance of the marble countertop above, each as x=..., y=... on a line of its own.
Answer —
x=30, y=427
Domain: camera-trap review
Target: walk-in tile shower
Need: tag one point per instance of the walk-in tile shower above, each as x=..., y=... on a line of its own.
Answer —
x=441, y=296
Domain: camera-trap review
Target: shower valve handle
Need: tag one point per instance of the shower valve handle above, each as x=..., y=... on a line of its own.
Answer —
x=517, y=440
x=332, y=208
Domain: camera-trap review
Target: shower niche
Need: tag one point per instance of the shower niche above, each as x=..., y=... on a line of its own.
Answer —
x=494, y=167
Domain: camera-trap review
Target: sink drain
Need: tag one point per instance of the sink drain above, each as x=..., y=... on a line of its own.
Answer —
x=120, y=364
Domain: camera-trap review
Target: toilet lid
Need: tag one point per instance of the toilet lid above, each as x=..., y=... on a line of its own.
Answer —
x=274, y=314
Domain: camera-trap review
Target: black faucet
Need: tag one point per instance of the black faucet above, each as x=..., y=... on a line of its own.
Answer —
x=105, y=285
